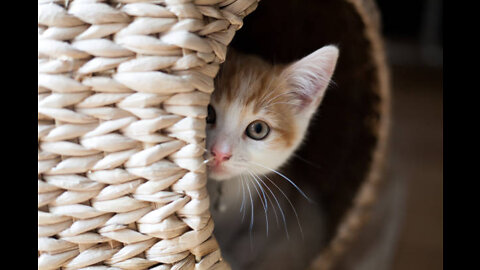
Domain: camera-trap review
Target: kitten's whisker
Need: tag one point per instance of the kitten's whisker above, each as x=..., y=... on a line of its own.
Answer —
x=308, y=161
x=264, y=203
x=279, y=208
x=269, y=199
x=265, y=197
x=251, y=208
x=243, y=195
x=210, y=159
x=265, y=206
x=286, y=178
x=286, y=197
x=244, y=204
x=251, y=216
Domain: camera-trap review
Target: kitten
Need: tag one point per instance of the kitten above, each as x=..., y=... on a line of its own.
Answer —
x=258, y=117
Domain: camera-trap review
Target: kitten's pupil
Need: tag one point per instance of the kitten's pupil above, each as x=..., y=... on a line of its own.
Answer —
x=258, y=127
x=211, y=117
x=257, y=130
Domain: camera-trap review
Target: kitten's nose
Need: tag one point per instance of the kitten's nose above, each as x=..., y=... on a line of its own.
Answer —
x=220, y=156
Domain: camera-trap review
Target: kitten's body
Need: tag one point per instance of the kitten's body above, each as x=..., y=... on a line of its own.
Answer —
x=246, y=247
x=284, y=98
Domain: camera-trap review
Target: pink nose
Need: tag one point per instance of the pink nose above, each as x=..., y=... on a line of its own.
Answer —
x=220, y=156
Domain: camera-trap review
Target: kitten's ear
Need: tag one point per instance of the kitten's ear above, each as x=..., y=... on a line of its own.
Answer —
x=309, y=77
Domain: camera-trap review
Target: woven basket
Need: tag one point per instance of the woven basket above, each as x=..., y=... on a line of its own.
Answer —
x=122, y=93
x=123, y=87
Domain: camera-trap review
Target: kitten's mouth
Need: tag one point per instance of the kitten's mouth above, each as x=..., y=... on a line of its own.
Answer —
x=220, y=172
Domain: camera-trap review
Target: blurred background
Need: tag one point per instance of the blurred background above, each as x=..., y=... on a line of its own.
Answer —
x=414, y=42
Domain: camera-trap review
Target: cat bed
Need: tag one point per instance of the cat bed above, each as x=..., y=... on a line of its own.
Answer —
x=123, y=88
x=346, y=144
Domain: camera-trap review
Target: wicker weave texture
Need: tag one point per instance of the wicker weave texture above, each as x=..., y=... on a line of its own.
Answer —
x=122, y=93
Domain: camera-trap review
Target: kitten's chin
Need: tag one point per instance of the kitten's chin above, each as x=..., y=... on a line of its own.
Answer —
x=220, y=174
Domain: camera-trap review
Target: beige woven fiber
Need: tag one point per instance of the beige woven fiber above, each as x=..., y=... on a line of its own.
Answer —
x=123, y=88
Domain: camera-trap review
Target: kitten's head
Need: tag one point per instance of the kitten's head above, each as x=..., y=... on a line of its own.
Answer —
x=259, y=113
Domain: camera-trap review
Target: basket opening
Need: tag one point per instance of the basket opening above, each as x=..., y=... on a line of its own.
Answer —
x=342, y=137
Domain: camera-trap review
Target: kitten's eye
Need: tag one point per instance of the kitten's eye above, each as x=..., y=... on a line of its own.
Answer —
x=257, y=130
x=211, y=117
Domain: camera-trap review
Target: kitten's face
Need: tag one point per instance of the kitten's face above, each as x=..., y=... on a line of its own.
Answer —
x=259, y=113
